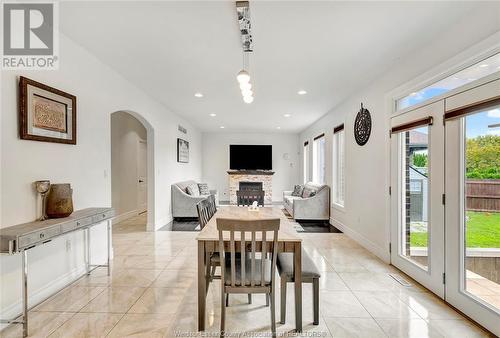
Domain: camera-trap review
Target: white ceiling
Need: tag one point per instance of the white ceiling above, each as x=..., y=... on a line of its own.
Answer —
x=331, y=49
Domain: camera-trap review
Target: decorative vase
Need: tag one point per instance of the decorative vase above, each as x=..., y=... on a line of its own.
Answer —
x=42, y=187
x=60, y=201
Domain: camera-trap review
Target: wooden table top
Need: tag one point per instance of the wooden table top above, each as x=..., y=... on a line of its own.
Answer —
x=286, y=232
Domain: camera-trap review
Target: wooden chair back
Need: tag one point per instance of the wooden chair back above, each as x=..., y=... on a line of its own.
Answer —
x=257, y=231
x=213, y=206
x=247, y=197
x=204, y=212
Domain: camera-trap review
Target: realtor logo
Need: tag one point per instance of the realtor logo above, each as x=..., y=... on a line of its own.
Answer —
x=30, y=36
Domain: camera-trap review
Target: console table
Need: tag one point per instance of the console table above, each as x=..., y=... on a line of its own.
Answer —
x=19, y=239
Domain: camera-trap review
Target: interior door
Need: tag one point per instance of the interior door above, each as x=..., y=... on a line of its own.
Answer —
x=473, y=204
x=417, y=187
x=142, y=179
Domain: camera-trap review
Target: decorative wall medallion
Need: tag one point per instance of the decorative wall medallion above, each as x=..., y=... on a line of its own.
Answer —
x=362, y=126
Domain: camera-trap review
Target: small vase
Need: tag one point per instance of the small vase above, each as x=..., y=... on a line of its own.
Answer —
x=60, y=201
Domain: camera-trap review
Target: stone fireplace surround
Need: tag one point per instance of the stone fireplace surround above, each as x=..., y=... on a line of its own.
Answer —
x=264, y=176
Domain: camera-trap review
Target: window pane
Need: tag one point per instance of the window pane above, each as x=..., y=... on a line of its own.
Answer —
x=338, y=168
x=415, y=195
x=306, y=163
x=482, y=205
x=467, y=75
x=319, y=161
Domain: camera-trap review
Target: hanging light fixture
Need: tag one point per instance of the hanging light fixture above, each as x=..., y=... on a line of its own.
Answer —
x=243, y=77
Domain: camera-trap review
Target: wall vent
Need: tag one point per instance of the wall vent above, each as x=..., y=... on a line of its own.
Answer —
x=182, y=129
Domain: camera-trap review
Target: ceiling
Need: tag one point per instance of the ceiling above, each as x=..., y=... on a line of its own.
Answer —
x=330, y=49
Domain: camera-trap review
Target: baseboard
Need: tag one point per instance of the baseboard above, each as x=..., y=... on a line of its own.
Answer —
x=124, y=216
x=161, y=223
x=15, y=310
x=381, y=253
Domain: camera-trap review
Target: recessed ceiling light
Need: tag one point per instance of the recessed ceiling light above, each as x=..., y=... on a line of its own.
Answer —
x=287, y=115
x=484, y=65
x=278, y=127
x=213, y=115
x=198, y=95
x=222, y=127
x=302, y=92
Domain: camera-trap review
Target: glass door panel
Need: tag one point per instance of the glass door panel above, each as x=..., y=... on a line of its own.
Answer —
x=414, y=232
x=417, y=186
x=481, y=206
x=472, y=180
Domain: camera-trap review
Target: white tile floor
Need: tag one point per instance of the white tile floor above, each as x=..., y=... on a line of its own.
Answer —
x=152, y=293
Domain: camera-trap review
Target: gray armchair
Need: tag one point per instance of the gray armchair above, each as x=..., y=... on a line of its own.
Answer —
x=316, y=207
x=183, y=204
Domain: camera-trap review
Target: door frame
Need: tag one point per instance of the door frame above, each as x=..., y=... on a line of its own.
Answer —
x=432, y=277
x=471, y=101
x=139, y=141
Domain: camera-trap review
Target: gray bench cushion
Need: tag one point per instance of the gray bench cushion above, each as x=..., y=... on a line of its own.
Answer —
x=248, y=269
x=285, y=266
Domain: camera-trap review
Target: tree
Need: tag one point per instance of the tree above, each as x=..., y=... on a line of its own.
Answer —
x=483, y=157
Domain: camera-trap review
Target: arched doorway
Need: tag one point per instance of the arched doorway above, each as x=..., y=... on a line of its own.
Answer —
x=132, y=170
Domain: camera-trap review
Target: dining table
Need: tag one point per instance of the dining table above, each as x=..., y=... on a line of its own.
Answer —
x=208, y=243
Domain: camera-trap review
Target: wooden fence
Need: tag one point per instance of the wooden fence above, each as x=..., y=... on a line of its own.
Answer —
x=483, y=195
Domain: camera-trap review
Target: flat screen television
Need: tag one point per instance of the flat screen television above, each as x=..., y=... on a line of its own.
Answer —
x=250, y=157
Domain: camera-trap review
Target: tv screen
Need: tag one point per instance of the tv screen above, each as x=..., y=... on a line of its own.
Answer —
x=250, y=157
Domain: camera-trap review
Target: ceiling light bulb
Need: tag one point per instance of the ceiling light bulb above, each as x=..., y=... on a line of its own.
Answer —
x=243, y=76
x=245, y=86
x=198, y=94
x=302, y=92
x=213, y=114
x=222, y=127
x=248, y=99
x=287, y=115
x=247, y=92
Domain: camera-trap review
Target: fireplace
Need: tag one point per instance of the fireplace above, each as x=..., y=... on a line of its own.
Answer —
x=250, y=186
x=250, y=192
x=239, y=180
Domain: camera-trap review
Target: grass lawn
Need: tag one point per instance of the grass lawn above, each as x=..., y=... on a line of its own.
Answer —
x=483, y=231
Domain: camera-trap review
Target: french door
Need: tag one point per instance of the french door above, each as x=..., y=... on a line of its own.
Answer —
x=445, y=200
x=472, y=183
x=417, y=187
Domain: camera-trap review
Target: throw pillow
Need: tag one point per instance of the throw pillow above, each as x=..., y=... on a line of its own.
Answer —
x=298, y=190
x=203, y=189
x=308, y=193
x=193, y=190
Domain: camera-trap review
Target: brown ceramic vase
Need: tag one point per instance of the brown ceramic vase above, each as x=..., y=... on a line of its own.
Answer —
x=60, y=201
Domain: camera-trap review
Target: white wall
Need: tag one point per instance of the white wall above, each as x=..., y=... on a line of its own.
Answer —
x=365, y=216
x=87, y=166
x=216, y=160
x=126, y=131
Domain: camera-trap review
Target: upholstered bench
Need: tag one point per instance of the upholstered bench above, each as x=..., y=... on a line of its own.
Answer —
x=310, y=274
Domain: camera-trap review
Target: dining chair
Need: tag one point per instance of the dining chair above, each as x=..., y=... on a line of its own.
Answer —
x=310, y=274
x=206, y=209
x=248, y=275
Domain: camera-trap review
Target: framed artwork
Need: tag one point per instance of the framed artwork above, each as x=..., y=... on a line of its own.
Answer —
x=45, y=113
x=182, y=151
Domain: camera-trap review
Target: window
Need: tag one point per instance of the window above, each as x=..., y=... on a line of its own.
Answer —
x=305, y=168
x=338, y=165
x=463, y=77
x=319, y=159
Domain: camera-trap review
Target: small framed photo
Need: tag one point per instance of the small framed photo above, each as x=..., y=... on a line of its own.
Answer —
x=182, y=151
x=46, y=114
